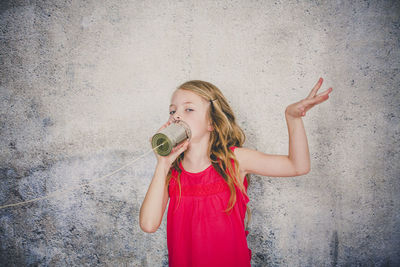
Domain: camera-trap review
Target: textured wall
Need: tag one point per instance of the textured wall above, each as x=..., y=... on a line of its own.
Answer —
x=84, y=84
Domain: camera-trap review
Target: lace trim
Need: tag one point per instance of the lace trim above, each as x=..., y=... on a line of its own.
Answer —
x=199, y=190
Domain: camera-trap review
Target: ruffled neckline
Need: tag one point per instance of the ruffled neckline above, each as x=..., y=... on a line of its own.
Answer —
x=194, y=173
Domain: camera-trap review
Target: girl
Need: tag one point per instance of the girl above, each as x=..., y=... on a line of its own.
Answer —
x=206, y=180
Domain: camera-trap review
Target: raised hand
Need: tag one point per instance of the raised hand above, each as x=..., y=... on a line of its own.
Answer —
x=300, y=108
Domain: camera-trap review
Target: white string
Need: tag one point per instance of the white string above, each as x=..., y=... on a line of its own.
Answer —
x=68, y=189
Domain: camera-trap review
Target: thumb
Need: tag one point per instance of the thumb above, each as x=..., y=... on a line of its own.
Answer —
x=182, y=147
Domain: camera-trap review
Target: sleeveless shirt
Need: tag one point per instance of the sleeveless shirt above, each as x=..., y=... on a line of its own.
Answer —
x=199, y=232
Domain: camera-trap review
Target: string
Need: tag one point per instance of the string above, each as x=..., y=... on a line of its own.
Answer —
x=68, y=189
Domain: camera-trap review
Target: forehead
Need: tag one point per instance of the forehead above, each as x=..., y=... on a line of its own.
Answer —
x=181, y=97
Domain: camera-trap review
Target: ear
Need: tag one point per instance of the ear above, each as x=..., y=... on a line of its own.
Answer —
x=210, y=128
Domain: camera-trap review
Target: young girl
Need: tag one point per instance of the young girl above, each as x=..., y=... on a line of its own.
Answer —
x=206, y=180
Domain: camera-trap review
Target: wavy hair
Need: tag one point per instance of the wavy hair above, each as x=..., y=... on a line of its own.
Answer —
x=226, y=133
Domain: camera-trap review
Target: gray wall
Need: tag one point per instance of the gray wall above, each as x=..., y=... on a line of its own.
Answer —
x=84, y=84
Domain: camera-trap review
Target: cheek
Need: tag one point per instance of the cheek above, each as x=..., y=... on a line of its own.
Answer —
x=201, y=124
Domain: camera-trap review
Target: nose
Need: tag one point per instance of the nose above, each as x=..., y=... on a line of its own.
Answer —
x=177, y=117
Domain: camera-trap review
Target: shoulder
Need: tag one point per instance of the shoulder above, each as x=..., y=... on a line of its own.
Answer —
x=240, y=154
x=238, y=151
x=247, y=158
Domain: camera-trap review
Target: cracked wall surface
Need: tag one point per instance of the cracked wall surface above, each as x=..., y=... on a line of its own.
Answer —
x=84, y=84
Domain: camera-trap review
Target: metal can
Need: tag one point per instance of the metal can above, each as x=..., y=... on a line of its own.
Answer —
x=172, y=135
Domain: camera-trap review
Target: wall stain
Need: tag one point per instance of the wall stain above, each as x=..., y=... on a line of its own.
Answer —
x=334, y=245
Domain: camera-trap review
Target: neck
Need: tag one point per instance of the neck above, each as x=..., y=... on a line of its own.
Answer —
x=196, y=155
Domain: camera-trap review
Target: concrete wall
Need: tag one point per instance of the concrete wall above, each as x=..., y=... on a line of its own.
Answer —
x=84, y=84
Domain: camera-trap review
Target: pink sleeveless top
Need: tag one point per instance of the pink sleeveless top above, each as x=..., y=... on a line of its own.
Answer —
x=199, y=232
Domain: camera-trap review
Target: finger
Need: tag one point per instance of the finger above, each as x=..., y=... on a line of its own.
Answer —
x=328, y=91
x=315, y=100
x=180, y=145
x=178, y=150
x=164, y=126
x=316, y=87
x=308, y=107
x=183, y=148
x=318, y=99
x=185, y=144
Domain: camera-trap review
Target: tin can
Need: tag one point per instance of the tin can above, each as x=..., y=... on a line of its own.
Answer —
x=172, y=135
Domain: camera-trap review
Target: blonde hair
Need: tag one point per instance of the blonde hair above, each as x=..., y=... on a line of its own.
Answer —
x=226, y=133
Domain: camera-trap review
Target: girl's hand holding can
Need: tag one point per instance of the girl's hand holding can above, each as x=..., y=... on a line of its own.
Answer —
x=175, y=152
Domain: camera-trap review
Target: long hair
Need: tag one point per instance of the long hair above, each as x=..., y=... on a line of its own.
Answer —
x=226, y=133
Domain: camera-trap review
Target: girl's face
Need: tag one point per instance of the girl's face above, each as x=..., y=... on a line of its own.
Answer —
x=192, y=109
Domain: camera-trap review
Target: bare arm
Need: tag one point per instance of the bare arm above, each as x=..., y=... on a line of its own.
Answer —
x=155, y=201
x=298, y=160
x=295, y=164
x=299, y=154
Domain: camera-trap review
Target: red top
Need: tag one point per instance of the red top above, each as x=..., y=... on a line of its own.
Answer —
x=199, y=232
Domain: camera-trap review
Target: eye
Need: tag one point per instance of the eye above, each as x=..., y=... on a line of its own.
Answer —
x=170, y=113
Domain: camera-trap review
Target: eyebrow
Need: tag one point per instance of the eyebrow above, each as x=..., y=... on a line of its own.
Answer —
x=187, y=102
